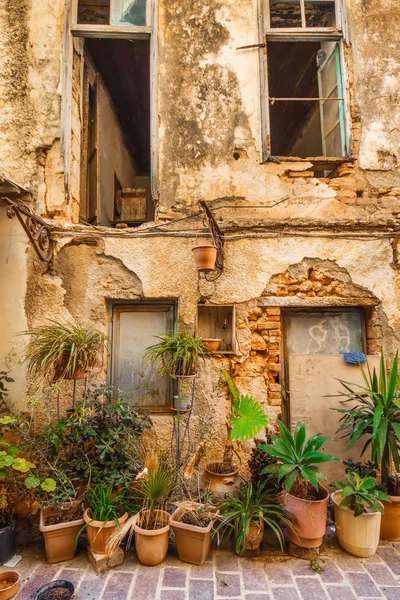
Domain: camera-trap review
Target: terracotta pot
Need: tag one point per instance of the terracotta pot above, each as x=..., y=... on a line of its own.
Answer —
x=211, y=343
x=11, y=590
x=390, y=522
x=8, y=542
x=152, y=544
x=99, y=533
x=193, y=542
x=217, y=482
x=358, y=536
x=80, y=374
x=255, y=535
x=59, y=539
x=205, y=257
x=310, y=518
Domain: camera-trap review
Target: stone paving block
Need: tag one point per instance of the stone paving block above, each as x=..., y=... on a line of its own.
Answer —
x=254, y=576
x=391, y=593
x=117, y=587
x=285, y=593
x=278, y=573
x=391, y=558
x=226, y=561
x=363, y=585
x=205, y=571
x=381, y=574
x=345, y=562
x=173, y=595
x=228, y=585
x=174, y=577
x=311, y=589
x=330, y=573
x=257, y=597
x=43, y=574
x=145, y=585
x=340, y=592
x=302, y=568
x=72, y=575
x=201, y=589
x=91, y=585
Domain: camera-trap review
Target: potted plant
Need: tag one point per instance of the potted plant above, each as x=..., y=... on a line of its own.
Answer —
x=105, y=514
x=302, y=495
x=212, y=344
x=176, y=353
x=357, y=508
x=247, y=418
x=62, y=351
x=374, y=414
x=181, y=402
x=205, y=257
x=246, y=514
x=192, y=523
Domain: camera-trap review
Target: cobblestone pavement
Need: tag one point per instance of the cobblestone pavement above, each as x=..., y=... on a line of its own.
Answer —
x=224, y=576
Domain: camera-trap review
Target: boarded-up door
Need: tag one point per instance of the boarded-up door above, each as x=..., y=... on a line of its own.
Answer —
x=312, y=379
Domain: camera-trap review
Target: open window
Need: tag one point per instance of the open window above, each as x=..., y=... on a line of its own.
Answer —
x=304, y=101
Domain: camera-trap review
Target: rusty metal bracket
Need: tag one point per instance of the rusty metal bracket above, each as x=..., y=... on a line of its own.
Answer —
x=37, y=230
x=216, y=234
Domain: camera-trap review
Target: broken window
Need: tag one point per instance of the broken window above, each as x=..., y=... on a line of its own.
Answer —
x=134, y=328
x=306, y=105
x=113, y=12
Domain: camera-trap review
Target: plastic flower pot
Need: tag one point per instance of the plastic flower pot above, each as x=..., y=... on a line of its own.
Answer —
x=205, y=257
x=59, y=539
x=8, y=542
x=358, y=536
x=152, y=544
x=9, y=584
x=390, y=522
x=55, y=590
x=310, y=518
x=99, y=533
x=193, y=542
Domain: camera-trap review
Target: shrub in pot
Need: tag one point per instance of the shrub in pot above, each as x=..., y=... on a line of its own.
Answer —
x=302, y=496
x=247, y=513
x=374, y=414
x=357, y=508
x=246, y=419
x=192, y=523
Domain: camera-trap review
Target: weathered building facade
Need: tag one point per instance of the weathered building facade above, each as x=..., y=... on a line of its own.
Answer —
x=118, y=120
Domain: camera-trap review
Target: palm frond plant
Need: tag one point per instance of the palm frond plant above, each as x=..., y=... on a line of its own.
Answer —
x=176, y=353
x=247, y=513
x=59, y=350
x=298, y=469
x=374, y=414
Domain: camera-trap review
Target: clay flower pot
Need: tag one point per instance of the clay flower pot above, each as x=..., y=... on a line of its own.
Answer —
x=99, y=533
x=152, y=544
x=310, y=518
x=219, y=483
x=59, y=539
x=9, y=584
x=205, y=257
x=211, y=344
x=255, y=535
x=358, y=536
x=390, y=522
x=193, y=542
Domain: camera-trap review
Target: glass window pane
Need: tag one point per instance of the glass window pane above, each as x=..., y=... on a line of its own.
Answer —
x=129, y=12
x=320, y=13
x=285, y=13
x=325, y=333
x=94, y=12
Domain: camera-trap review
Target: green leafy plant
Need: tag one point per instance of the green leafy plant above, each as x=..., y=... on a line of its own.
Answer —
x=176, y=353
x=366, y=469
x=360, y=494
x=104, y=505
x=253, y=504
x=298, y=459
x=57, y=351
x=376, y=415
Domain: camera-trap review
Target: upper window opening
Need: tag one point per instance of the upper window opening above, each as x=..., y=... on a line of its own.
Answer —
x=113, y=12
x=289, y=14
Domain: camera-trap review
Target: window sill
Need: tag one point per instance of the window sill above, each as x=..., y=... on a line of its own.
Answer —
x=320, y=163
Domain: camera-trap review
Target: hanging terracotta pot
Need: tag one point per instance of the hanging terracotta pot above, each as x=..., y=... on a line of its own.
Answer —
x=205, y=257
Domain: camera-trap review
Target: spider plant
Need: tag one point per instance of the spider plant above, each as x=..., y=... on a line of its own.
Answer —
x=360, y=493
x=176, y=353
x=56, y=351
x=103, y=504
x=253, y=504
x=375, y=415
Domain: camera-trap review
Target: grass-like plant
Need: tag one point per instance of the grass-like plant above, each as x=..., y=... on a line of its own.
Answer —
x=360, y=494
x=376, y=415
x=104, y=505
x=253, y=504
x=176, y=353
x=298, y=459
x=56, y=351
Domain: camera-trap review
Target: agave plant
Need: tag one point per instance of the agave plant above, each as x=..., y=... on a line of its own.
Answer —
x=176, y=353
x=360, y=493
x=57, y=351
x=298, y=459
x=375, y=415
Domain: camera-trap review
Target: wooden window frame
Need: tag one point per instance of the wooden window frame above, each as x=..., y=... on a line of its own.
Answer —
x=267, y=34
x=119, y=306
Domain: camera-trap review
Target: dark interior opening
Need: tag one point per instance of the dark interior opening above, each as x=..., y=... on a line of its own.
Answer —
x=292, y=73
